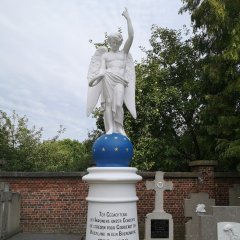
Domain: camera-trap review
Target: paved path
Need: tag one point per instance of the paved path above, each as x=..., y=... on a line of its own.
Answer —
x=45, y=236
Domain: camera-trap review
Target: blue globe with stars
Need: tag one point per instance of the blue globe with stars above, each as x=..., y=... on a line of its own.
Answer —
x=112, y=150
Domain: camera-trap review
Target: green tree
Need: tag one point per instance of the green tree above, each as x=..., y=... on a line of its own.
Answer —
x=168, y=95
x=21, y=148
x=217, y=25
x=61, y=155
x=18, y=142
x=5, y=150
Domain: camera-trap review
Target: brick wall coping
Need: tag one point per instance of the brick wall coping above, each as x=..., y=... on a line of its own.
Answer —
x=42, y=174
x=227, y=174
x=145, y=175
x=171, y=174
x=81, y=174
x=203, y=163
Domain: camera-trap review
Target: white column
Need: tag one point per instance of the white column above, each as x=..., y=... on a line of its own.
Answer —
x=112, y=210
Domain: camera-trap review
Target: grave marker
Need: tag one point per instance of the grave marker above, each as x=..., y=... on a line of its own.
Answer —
x=5, y=197
x=13, y=224
x=159, y=224
x=228, y=231
x=159, y=185
x=9, y=211
x=223, y=224
x=198, y=204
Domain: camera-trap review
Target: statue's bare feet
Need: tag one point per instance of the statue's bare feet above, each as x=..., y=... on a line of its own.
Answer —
x=110, y=131
x=121, y=131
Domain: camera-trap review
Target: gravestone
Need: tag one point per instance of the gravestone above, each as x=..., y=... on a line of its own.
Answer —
x=159, y=224
x=228, y=230
x=234, y=195
x=198, y=204
x=223, y=224
x=9, y=211
x=5, y=197
x=13, y=224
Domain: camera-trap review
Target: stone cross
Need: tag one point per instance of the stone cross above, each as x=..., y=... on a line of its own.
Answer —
x=198, y=205
x=159, y=185
x=9, y=211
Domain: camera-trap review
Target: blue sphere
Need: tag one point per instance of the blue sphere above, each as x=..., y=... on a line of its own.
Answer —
x=112, y=150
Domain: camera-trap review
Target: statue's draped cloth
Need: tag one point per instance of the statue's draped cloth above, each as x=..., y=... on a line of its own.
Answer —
x=112, y=86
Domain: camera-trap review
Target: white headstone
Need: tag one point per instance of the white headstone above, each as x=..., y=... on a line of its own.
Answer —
x=223, y=224
x=228, y=231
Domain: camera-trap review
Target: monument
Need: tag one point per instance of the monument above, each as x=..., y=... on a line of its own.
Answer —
x=9, y=211
x=198, y=204
x=159, y=224
x=111, y=75
x=112, y=210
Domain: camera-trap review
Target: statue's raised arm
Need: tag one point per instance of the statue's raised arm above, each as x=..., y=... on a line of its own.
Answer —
x=129, y=41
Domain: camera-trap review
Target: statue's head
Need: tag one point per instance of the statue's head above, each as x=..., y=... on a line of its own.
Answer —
x=115, y=40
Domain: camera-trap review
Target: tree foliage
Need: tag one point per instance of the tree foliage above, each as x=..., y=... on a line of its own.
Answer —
x=61, y=155
x=18, y=142
x=21, y=148
x=168, y=96
x=217, y=27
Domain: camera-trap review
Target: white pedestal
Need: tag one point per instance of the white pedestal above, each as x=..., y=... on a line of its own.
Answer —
x=112, y=210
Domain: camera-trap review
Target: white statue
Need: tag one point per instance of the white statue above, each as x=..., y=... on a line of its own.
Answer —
x=111, y=75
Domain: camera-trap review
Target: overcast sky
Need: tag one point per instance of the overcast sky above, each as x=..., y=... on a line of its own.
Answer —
x=45, y=53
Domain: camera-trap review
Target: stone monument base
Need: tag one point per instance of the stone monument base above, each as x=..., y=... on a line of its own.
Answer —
x=159, y=226
x=112, y=210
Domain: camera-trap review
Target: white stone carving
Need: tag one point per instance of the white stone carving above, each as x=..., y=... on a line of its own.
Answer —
x=160, y=185
x=111, y=75
x=228, y=231
x=201, y=208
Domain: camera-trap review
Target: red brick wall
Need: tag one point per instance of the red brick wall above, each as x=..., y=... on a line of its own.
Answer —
x=51, y=204
x=56, y=203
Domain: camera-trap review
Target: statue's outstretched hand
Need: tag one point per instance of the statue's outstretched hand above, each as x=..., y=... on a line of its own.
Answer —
x=125, y=13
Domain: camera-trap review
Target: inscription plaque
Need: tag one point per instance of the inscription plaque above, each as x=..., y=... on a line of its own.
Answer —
x=159, y=228
x=107, y=223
